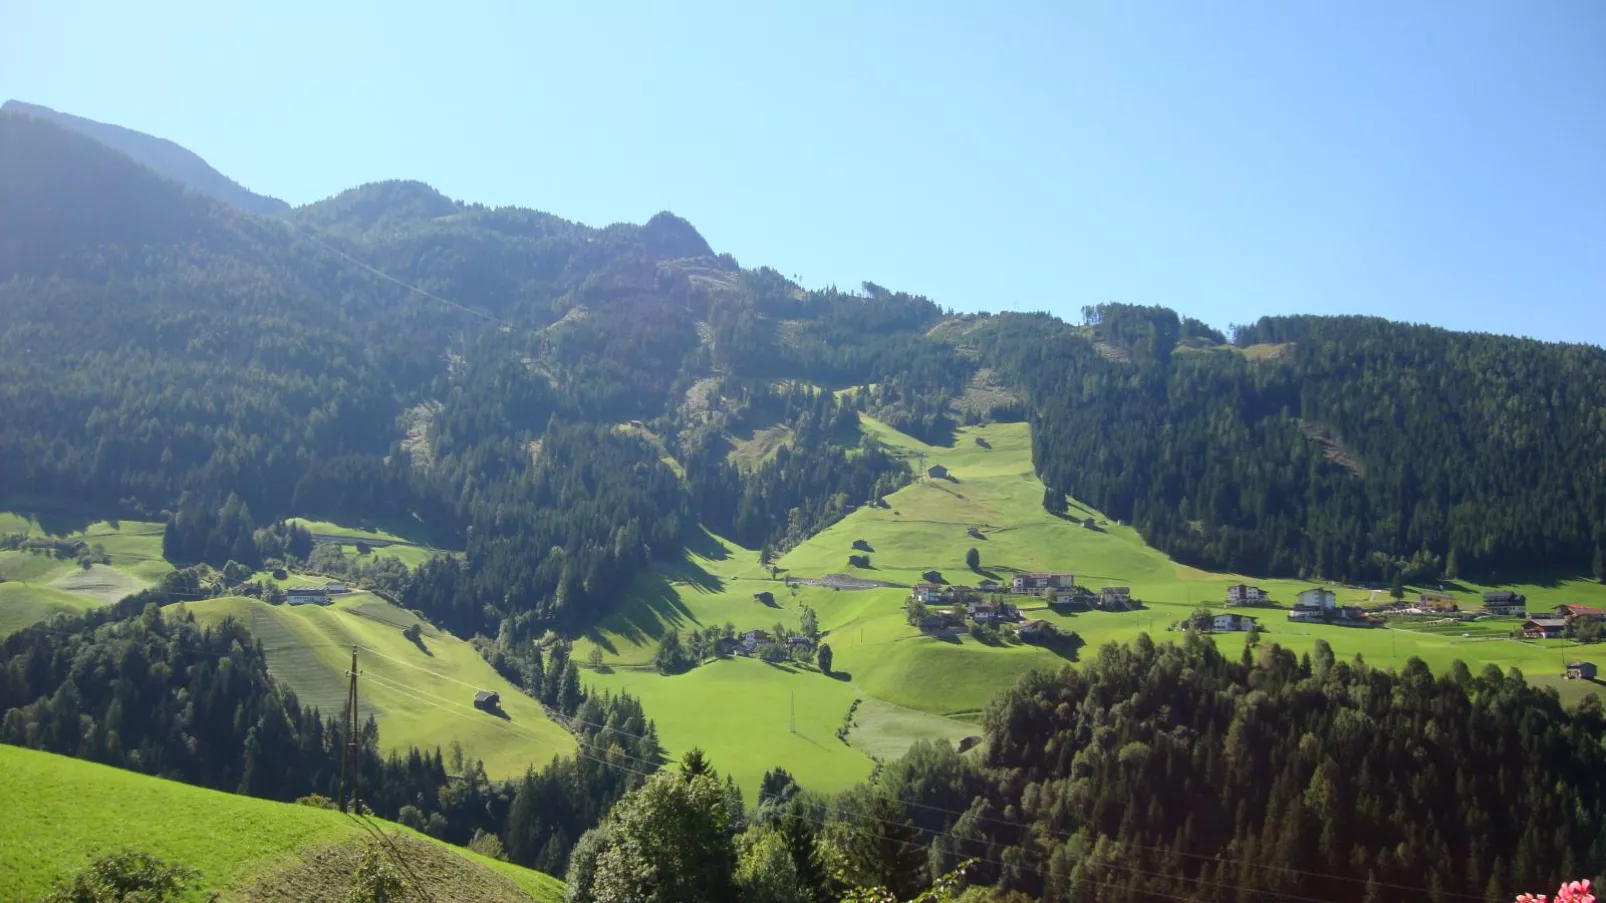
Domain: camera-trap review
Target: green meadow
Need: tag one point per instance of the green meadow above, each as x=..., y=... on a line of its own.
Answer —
x=749, y=717
x=420, y=694
x=914, y=686
x=36, y=585
x=63, y=813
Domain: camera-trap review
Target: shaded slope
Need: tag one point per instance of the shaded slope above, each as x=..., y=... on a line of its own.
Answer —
x=161, y=155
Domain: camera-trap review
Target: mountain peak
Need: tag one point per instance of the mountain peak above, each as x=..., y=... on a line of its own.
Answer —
x=669, y=236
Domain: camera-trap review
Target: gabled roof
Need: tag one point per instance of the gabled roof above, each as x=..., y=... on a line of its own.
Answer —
x=1574, y=609
x=1546, y=622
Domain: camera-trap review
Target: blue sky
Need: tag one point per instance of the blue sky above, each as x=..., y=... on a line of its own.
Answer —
x=1439, y=162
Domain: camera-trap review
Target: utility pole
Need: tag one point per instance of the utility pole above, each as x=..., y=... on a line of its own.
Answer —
x=350, y=764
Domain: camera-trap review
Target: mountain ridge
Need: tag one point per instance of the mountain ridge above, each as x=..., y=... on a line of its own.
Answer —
x=660, y=330
x=166, y=157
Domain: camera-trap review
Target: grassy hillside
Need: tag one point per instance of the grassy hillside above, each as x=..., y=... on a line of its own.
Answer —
x=22, y=604
x=741, y=713
x=420, y=696
x=916, y=686
x=36, y=585
x=62, y=813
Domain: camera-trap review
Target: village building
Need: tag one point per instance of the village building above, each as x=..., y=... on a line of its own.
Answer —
x=307, y=595
x=1504, y=603
x=937, y=472
x=1318, y=598
x=1544, y=628
x=1576, y=613
x=1035, y=583
x=1580, y=670
x=487, y=700
x=1035, y=629
x=1088, y=523
x=1437, y=603
x=1230, y=622
x=753, y=639
x=1072, y=597
x=1115, y=597
x=1241, y=594
x=927, y=593
x=989, y=586
x=336, y=588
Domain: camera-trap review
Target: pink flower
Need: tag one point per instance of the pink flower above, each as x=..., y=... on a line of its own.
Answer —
x=1571, y=892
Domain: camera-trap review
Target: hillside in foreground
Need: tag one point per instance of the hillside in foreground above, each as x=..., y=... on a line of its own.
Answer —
x=62, y=813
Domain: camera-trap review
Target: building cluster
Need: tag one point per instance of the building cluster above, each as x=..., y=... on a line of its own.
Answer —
x=754, y=642
x=1563, y=622
x=1058, y=588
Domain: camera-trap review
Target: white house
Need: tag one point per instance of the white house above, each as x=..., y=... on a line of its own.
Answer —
x=1241, y=593
x=1320, y=597
x=752, y=639
x=1035, y=629
x=1229, y=622
x=1026, y=583
x=1115, y=597
x=928, y=593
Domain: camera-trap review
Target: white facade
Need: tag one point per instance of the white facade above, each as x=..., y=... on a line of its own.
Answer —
x=1242, y=593
x=1229, y=622
x=1321, y=597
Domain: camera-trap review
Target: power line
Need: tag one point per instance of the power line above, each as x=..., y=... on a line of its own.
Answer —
x=309, y=236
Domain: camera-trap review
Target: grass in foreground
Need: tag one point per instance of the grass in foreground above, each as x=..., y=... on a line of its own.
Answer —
x=63, y=813
x=419, y=698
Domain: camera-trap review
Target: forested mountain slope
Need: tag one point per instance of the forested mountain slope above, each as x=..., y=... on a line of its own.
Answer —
x=1341, y=447
x=161, y=155
x=564, y=402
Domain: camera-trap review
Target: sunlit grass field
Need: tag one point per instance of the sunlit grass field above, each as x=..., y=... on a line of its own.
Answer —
x=63, y=813
x=899, y=670
x=419, y=697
